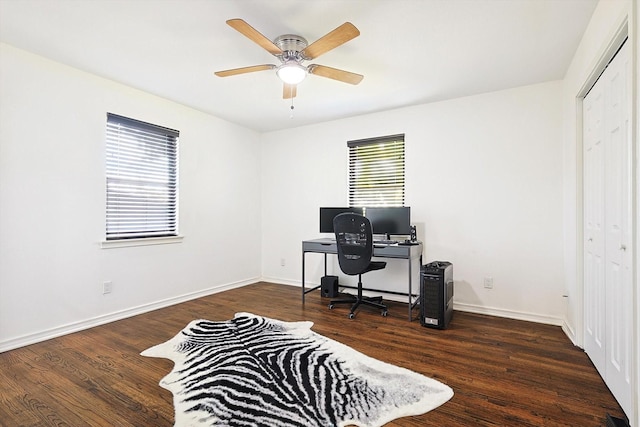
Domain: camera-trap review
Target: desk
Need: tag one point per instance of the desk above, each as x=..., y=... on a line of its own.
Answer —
x=328, y=246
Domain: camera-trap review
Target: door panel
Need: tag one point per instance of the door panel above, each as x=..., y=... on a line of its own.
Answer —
x=594, y=272
x=608, y=227
x=618, y=228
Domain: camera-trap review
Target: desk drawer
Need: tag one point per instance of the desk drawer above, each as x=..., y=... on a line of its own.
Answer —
x=392, y=251
x=329, y=248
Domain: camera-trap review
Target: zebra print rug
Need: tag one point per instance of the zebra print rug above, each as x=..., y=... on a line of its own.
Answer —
x=256, y=371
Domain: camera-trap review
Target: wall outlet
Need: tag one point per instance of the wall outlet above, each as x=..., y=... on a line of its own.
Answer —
x=488, y=282
x=107, y=287
x=282, y=262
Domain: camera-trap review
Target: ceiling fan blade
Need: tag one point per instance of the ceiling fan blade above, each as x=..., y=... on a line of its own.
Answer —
x=335, y=38
x=289, y=91
x=233, y=72
x=335, y=74
x=254, y=35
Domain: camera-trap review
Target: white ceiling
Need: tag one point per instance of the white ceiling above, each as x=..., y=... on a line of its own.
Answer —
x=410, y=51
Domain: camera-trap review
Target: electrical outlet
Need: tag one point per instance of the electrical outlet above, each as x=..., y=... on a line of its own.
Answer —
x=488, y=282
x=282, y=262
x=107, y=287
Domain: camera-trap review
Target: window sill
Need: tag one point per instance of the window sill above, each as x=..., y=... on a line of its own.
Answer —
x=125, y=243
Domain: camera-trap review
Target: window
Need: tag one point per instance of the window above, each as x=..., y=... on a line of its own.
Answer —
x=142, y=179
x=376, y=171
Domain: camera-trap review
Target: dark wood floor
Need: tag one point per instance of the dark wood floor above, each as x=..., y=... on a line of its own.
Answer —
x=503, y=372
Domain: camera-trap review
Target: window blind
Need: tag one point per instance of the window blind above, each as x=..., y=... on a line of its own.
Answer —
x=376, y=171
x=142, y=179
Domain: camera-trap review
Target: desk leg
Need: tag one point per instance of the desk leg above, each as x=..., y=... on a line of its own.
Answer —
x=410, y=290
x=325, y=264
x=303, y=252
x=303, y=273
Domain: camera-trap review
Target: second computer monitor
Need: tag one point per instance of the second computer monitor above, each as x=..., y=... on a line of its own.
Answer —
x=390, y=220
x=327, y=215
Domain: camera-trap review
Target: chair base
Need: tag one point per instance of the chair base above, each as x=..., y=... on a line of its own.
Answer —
x=357, y=301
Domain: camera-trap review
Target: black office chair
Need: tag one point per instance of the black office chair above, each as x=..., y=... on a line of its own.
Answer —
x=354, y=239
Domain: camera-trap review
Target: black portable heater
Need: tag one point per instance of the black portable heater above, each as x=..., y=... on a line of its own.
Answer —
x=436, y=294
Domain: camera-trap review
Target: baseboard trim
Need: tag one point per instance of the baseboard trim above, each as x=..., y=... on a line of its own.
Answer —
x=570, y=333
x=29, y=339
x=134, y=311
x=471, y=308
x=279, y=281
x=509, y=314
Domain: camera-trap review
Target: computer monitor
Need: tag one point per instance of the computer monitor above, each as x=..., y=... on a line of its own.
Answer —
x=327, y=215
x=390, y=220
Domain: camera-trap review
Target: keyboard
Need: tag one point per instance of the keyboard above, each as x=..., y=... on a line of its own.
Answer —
x=384, y=242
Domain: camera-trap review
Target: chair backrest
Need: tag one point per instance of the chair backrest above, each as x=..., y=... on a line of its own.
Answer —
x=354, y=239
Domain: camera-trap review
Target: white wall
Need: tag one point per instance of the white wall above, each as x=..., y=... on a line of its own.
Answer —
x=484, y=182
x=52, y=203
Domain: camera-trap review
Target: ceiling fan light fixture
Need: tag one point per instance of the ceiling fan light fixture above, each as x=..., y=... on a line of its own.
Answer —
x=291, y=73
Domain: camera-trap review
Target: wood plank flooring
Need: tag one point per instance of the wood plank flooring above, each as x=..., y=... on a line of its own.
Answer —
x=503, y=372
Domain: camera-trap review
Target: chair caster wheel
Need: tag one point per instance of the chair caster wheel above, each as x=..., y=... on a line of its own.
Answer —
x=351, y=315
x=384, y=313
x=330, y=306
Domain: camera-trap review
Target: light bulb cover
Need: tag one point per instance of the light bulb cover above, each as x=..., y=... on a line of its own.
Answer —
x=291, y=73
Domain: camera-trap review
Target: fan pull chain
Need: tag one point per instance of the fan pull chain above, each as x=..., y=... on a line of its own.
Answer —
x=292, y=107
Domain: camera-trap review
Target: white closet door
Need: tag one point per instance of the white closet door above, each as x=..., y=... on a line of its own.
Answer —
x=608, y=227
x=594, y=247
x=618, y=227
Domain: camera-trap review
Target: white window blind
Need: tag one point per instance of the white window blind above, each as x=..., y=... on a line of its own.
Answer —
x=142, y=179
x=376, y=171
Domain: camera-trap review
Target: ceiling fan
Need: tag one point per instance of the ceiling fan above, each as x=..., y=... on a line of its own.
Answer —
x=292, y=50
